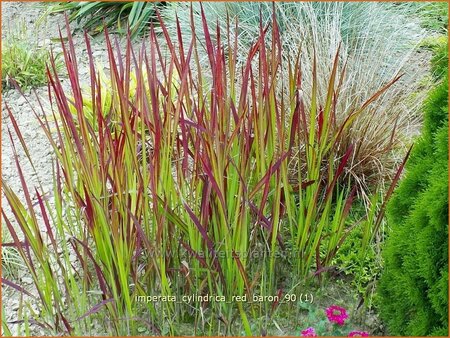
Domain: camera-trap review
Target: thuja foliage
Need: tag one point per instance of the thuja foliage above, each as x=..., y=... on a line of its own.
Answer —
x=414, y=286
x=173, y=181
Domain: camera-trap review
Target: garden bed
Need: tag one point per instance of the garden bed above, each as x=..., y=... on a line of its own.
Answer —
x=212, y=188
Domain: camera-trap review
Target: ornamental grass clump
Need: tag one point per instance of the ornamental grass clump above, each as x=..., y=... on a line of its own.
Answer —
x=24, y=60
x=378, y=40
x=174, y=185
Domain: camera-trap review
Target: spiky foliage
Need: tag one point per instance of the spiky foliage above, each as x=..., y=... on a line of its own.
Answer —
x=95, y=15
x=172, y=182
x=414, y=286
x=377, y=43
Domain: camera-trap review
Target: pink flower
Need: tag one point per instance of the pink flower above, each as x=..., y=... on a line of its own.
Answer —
x=309, y=332
x=336, y=314
x=358, y=334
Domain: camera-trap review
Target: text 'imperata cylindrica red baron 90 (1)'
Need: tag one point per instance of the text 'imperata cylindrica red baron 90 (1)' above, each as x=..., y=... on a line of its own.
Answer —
x=192, y=298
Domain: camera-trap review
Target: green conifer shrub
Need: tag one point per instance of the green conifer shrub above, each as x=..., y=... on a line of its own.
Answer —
x=413, y=290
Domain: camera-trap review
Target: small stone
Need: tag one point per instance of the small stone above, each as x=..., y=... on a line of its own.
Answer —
x=15, y=305
x=21, y=101
x=44, y=43
x=72, y=258
x=98, y=53
x=27, y=280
